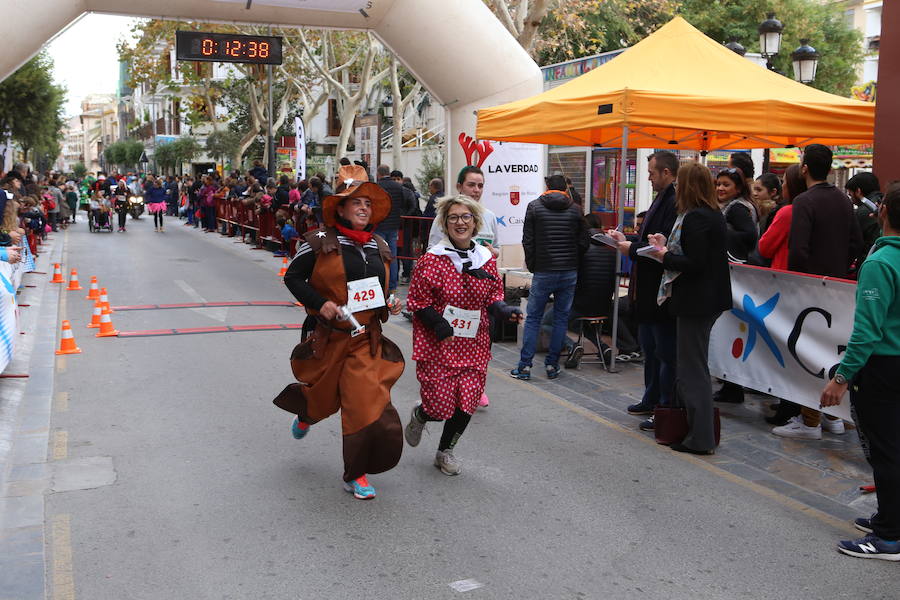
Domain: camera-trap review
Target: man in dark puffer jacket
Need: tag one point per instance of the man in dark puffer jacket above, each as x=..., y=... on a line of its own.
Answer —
x=554, y=238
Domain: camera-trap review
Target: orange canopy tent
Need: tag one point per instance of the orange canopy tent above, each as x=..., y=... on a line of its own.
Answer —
x=678, y=88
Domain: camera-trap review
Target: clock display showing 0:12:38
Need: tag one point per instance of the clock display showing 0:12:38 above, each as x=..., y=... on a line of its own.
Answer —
x=236, y=48
x=228, y=47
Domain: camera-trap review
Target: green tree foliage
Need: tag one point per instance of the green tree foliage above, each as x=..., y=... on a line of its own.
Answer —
x=433, y=166
x=576, y=28
x=174, y=154
x=79, y=170
x=31, y=108
x=125, y=153
x=222, y=144
x=823, y=24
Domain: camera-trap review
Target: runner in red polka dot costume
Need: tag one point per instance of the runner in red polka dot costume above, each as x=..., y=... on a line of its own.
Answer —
x=453, y=288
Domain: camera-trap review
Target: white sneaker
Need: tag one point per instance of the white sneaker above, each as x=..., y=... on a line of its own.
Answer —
x=446, y=462
x=796, y=429
x=835, y=426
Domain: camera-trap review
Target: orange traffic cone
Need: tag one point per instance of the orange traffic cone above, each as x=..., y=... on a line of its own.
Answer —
x=57, y=274
x=74, y=286
x=67, y=342
x=104, y=300
x=284, y=265
x=95, y=318
x=106, y=326
x=94, y=294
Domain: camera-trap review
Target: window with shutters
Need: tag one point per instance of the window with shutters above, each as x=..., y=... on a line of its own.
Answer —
x=334, y=119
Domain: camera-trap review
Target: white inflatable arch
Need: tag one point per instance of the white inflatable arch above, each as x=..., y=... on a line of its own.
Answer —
x=456, y=48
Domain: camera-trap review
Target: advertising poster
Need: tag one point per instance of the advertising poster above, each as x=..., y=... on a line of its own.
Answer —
x=513, y=177
x=785, y=335
x=300, y=139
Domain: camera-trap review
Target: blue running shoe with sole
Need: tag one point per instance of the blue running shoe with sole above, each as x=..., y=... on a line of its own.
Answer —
x=299, y=430
x=864, y=524
x=871, y=546
x=523, y=373
x=552, y=371
x=360, y=488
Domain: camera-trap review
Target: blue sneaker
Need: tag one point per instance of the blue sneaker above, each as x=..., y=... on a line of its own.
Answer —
x=297, y=430
x=360, y=488
x=864, y=524
x=523, y=373
x=871, y=546
x=552, y=371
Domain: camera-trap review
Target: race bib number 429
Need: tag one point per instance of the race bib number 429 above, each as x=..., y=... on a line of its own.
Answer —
x=464, y=322
x=364, y=294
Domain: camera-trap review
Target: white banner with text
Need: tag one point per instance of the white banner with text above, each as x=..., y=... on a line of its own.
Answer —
x=513, y=177
x=785, y=335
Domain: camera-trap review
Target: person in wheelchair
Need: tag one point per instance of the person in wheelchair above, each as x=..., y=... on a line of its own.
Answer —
x=100, y=209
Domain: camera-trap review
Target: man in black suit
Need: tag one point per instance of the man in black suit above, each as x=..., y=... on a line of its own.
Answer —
x=656, y=327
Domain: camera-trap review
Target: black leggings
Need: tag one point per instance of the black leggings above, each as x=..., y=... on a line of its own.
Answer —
x=453, y=427
x=123, y=215
x=158, y=218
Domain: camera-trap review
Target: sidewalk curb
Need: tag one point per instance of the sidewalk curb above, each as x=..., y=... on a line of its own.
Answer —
x=24, y=468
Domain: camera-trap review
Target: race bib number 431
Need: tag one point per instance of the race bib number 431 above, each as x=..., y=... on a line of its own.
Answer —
x=364, y=294
x=464, y=322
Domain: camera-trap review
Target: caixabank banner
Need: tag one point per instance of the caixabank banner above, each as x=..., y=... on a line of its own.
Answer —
x=785, y=335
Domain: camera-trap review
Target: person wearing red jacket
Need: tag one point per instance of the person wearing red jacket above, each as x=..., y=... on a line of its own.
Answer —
x=774, y=242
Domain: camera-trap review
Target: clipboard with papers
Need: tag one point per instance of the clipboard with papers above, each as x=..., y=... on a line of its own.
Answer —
x=605, y=239
x=647, y=252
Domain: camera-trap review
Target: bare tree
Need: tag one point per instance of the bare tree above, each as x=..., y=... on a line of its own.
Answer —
x=399, y=109
x=522, y=18
x=351, y=92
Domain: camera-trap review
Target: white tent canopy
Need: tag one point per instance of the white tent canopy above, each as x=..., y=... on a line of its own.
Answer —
x=454, y=47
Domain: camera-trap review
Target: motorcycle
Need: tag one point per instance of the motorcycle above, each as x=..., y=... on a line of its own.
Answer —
x=136, y=206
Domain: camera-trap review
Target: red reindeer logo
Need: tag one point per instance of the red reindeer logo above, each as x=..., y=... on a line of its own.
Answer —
x=471, y=148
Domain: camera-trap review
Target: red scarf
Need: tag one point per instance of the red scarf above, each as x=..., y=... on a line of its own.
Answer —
x=360, y=237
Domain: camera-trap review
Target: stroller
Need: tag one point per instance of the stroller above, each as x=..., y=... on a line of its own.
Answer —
x=100, y=216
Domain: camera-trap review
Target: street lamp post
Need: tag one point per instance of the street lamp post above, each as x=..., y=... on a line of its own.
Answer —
x=735, y=46
x=806, y=62
x=770, y=39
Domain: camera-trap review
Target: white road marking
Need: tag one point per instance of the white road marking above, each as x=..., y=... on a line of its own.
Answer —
x=217, y=314
x=465, y=585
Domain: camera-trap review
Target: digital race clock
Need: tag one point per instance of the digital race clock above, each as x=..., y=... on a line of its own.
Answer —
x=224, y=47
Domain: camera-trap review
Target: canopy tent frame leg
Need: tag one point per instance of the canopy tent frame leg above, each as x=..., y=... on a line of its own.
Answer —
x=620, y=222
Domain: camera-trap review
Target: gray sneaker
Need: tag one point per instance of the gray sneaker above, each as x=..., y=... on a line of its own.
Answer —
x=413, y=430
x=446, y=462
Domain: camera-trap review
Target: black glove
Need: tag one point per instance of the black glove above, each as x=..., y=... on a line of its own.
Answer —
x=501, y=311
x=479, y=274
x=434, y=321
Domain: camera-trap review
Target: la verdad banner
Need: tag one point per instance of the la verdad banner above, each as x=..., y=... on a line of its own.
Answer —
x=785, y=335
x=513, y=177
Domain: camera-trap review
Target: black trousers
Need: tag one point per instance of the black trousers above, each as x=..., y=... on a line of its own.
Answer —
x=692, y=384
x=875, y=396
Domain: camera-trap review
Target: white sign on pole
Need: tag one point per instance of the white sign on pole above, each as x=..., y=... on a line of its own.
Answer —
x=513, y=177
x=300, y=137
x=785, y=335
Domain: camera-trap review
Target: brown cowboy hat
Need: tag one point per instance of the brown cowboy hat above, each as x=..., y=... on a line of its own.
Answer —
x=381, y=202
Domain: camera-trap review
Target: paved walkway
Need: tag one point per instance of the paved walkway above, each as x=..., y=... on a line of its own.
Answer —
x=156, y=467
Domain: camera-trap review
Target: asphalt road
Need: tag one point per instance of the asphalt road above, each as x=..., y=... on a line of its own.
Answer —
x=198, y=490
